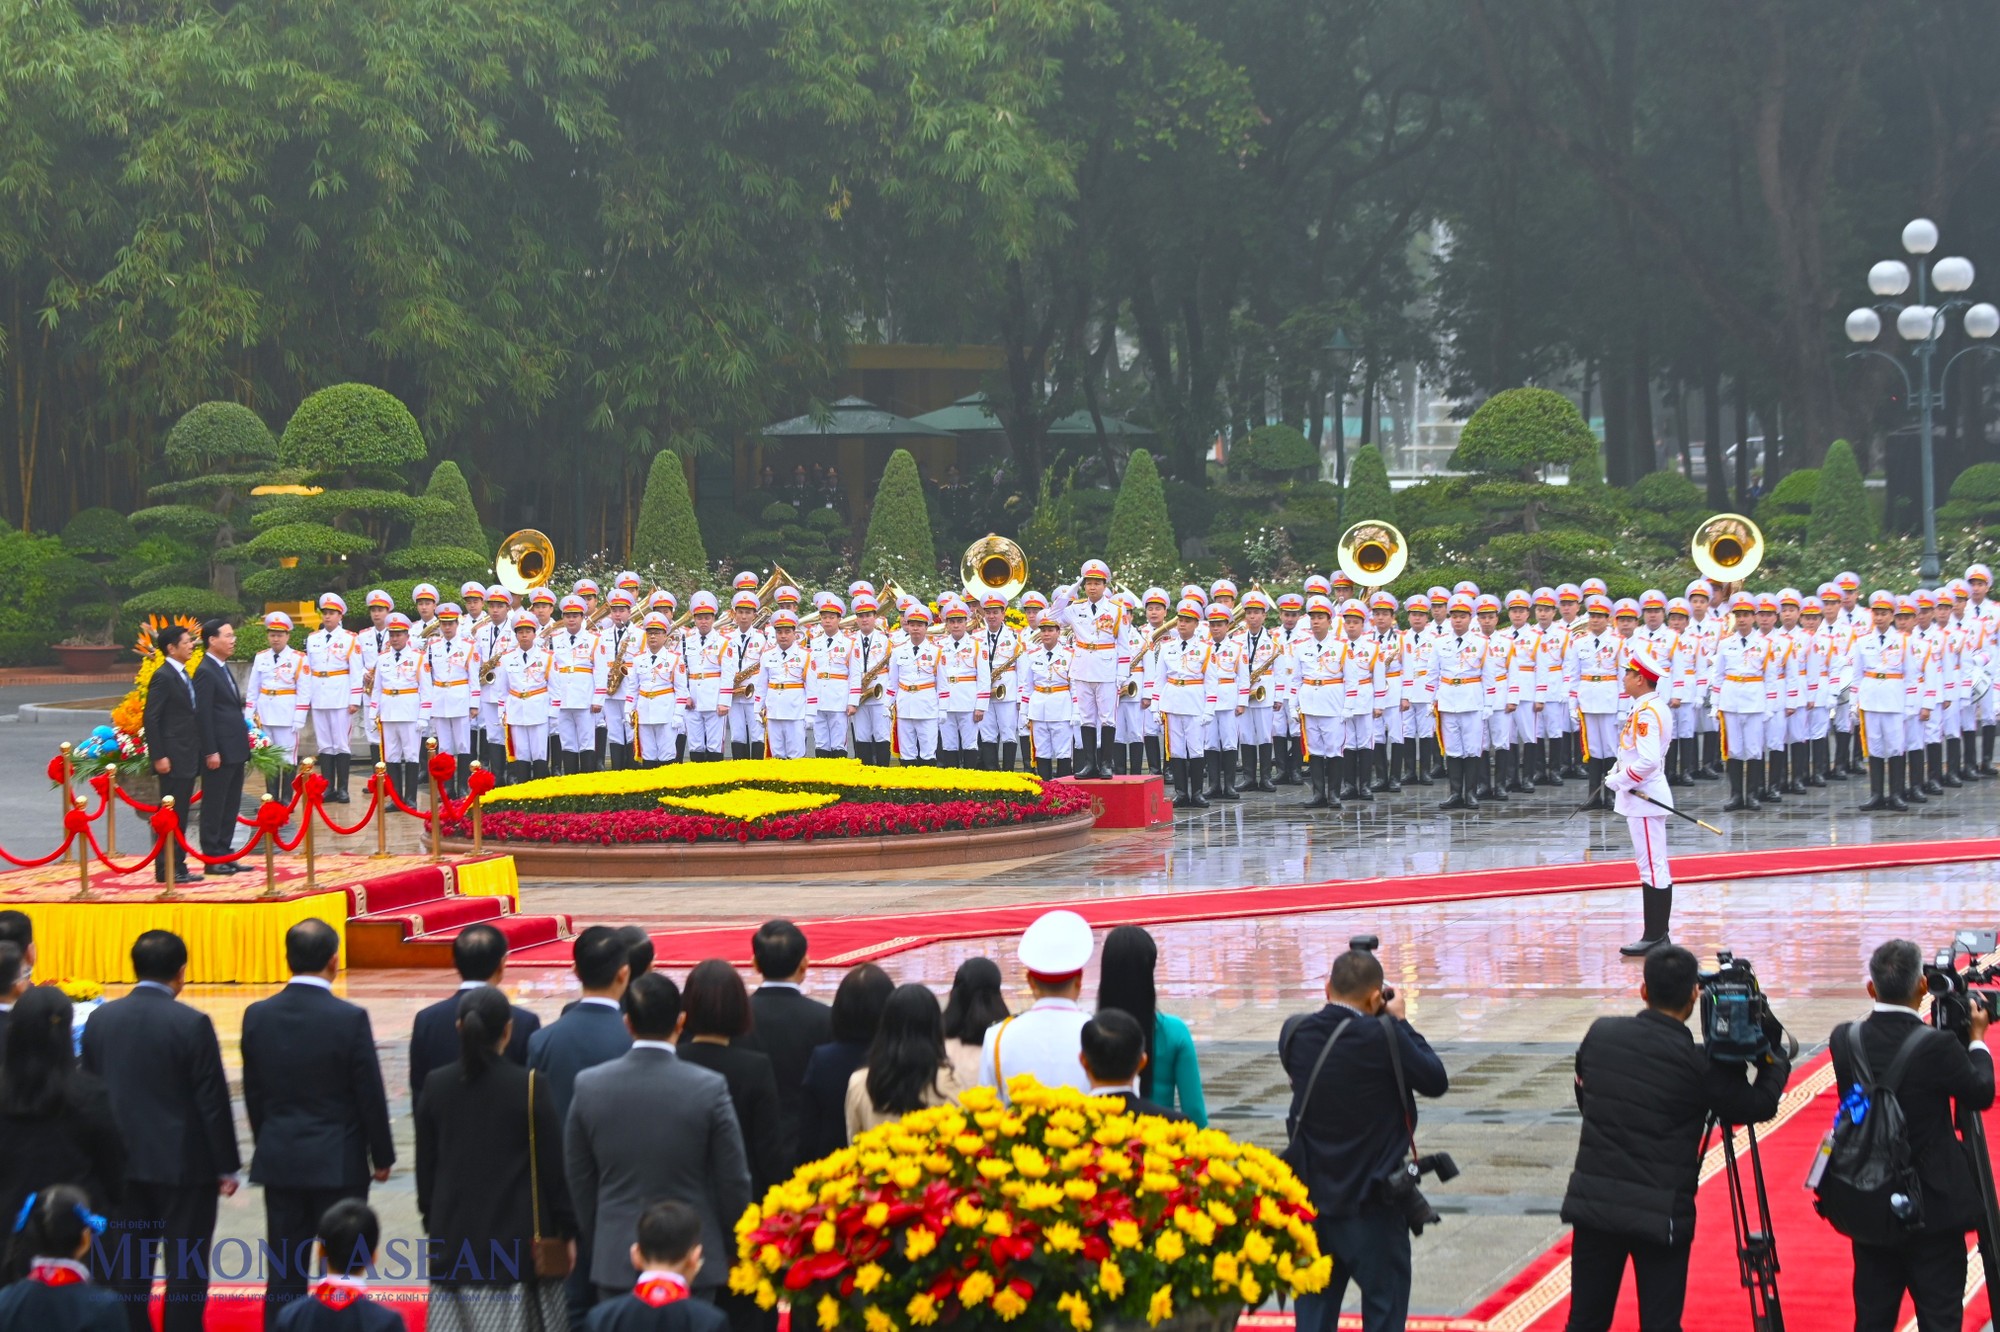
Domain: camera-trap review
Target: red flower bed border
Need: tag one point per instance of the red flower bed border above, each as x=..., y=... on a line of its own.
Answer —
x=641, y=827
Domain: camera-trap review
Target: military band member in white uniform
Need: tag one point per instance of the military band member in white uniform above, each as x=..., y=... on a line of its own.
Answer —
x=398, y=704
x=1043, y=676
x=743, y=657
x=705, y=651
x=867, y=692
x=619, y=639
x=784, y=688
x=967, y=688
x=830, y=648
x=656, y=695
x=1045, y=1040
x=1882, y=695
x=333, y=682
x=1004, y=647
x=1637, y=778
x=1456, y=672
x=522, y=681
x=1094, y=621
x=449, y=683
x=1742, y=682
x=914, y=681
x=491, y=639
x=368, y=645
x=1181, y=696
x=274, y=697
x=1318, y=701
x=1262, y=655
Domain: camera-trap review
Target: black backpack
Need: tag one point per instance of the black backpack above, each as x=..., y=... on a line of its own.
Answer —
x=1864, y=1177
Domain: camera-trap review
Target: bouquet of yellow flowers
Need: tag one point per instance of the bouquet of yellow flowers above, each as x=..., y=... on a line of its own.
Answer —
x=1059, y=1204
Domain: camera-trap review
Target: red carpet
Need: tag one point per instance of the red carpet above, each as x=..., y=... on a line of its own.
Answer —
x=843, y=941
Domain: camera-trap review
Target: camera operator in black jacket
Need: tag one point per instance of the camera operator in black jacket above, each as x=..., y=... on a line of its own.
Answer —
x=1355, y=1136
x=1646, y=1091
x=1930, y=1263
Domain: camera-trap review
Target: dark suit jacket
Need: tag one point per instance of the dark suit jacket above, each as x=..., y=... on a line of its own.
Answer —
x=1355, y=1129
x=822, y=1098
x=77, y=1144
x=29, y=1306
x=1940, y=1071
x=788, y=1026
x=755, y=1096
x=171, y=730
x=162, y=1066
x=628, y=1313
x=434, y=1041
x=313, y=1088
x=474, y=1192
x=364, y=1315
x=219, y=713
x=587, y=1035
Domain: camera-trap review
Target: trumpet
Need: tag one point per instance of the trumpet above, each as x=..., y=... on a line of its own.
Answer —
x=767, y=594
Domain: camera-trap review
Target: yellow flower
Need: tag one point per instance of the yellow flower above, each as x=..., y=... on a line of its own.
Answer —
x=1116, y=1164
x=1154, y=1182
x=1062, y=1237
x=1256, y=1249
x=1110, y=1279
x=1125, y=1234
x=999, y=1224
x=1161, y=1306
x=877, y=1321
x=922, y=1310
x=1250, y=1290
x=1041, y=1197
x=905, y=1177
x=1225, y=1269
x=974, y=1099
x=993, y=1168
x=867, y=1277
x=1168, y=1248
x=1197, y=1224
x=770, y=1257
x=1009, y=1305
x=1030, y=1162
x=969, y=1144
x=767, y=1295
x=825, y=1237
x=1078, y=1309
x=1224, y=1173
x=937, y=1163
x=877, y=1215
x=919, y=1242
x=976, y=1289
x=1223, y=1213
x=1083, y=1190
x=966, y=1215
x=829, y=1311
x=1060, y=1138
x=743, y=1278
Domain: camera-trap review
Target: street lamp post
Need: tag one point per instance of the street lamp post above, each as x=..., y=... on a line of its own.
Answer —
x=1922, y=325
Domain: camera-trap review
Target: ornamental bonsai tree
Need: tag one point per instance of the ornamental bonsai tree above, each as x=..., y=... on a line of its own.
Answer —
x=1519, y=431
x=215, y=453
x=449, y=545
x=1841, y=523
x=667, y=542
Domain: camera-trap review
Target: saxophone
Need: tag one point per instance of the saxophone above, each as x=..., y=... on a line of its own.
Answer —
x=1020, y=649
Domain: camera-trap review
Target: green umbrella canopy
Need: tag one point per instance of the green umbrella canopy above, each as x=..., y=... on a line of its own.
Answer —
x=971, y=414
x=848, y=417
x=1079, y=423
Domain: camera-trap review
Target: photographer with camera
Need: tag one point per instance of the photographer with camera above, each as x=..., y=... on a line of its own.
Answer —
x=1912, y=1237
x=1353, y=1067
x=1647, y=1092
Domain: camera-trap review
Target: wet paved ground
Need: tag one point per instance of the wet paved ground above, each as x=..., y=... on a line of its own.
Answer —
x=1503, y=988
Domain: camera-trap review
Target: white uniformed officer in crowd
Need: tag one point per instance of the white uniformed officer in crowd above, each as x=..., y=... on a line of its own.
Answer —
x=1046, y=1039
x=1638, y=779
x=274, y=697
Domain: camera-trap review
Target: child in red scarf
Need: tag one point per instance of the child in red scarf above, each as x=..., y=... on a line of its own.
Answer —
x=47, y=1259
x=349, y=1235
x=667, y=1256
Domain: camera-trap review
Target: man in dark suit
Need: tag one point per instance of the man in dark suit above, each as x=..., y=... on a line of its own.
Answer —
x=1930, y=1264
x=225, y=742
x=480, y=954
x=1356, y=1130
x=173, y=740
x=162, y=1068
x=589, y=1033
x=319, y=1117
x=786, y=1024
x=1113, y=1054
x=650, y=1127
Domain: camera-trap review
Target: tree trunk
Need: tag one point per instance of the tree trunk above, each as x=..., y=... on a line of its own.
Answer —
x=1713, y=453
x=1743, y=501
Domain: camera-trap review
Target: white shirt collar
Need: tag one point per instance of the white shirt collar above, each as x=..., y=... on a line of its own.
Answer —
x=319, y=981
x=780, y=985
x=161, y=986
x=473, y=985
x=1052, y=1002
x=600, y=1000
x=1902, y=1010
x=661, y=1274
x=668, y=1046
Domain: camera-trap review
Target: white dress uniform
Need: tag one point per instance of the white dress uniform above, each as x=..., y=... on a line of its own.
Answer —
x=1926, y=666
x=522, y=681
x=1004, y=655
x=1181, y=695
x=1094, y=634
x=962, y=699
x=1043, y=679
x=1044, y=1041
x=871, y=652
x=1262, y=655
x=830, y=654
x=1456, y=672
x=744, y=651
x=1228, y=683
x=705, y=656
x=915, y=677
x=578, y=688
x=273, y=700
x=491, y=640
x=449, y=691
x=333, y=684
x=617, y=641
x=398, y=703
x=1131, y=689
x=1362, y=672
x=1640, y=771
x=1742, y=682
x=369, y=645
x=1318, y=694
x=656, y=693
x=784, y=698
x=1500, y=696
x=1595, y=690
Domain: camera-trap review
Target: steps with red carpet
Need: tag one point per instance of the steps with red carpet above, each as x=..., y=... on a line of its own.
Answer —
x=409, y=918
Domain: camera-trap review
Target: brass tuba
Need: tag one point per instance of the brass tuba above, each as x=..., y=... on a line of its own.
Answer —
x=993, y=564
x=527, y=559
x=1727, y=548
x=1373, y=553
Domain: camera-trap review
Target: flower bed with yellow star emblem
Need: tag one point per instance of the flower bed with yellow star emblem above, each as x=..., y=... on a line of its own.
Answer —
x=1059, y=1208
x=747, y=800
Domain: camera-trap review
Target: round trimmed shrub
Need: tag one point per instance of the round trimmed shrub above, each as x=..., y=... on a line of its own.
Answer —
x=1520, y=430
x=351, y=426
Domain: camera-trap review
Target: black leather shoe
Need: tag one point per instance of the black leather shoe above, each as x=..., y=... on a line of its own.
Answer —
x=187, y=876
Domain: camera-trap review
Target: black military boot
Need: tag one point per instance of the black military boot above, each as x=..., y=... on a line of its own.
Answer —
x=1152, y=744
x=1796, y=769
x=1658, y=905
x=1458, y=773
x=1545, y=771
x=1906, y=778
x=1934, y=773
x=1574, y=768
x=1832, y=750
x=1953, y=760
x=1266, y=756
x=1196, y=768
x=1879, y=797
x=1740, y=797
x=1246, y=761
x=1517, y=782
x=1804, y=769
x=1062, y=767
x=1375, y=768
x=1417, y=760
x=1681, y=761
x=1224, y=786
x=1968, y=746
x=1437, y=768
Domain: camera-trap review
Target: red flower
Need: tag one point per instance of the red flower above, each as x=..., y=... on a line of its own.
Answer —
x=814, y=1267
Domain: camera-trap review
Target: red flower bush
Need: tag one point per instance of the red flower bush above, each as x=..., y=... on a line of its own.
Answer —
x=625, y=827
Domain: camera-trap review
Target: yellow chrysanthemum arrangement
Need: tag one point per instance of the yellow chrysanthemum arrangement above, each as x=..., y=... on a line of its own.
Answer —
x=748, y=806
x=841, y=778
x=1059, y=1205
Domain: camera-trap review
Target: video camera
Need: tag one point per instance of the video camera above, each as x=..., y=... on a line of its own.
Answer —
x=1951, y=989
x=1737, y=1026
x=1400, y=1190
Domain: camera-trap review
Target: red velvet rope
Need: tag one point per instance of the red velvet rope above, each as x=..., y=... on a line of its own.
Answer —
x=141, y=805
x=149, y=858
x=398, y=802
x=319, y=806
x=229, y=859
x=68, y=840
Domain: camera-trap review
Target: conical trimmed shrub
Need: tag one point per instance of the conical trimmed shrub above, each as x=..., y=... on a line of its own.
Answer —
x=667, y=534
x=899, y=544
x=1141, y=548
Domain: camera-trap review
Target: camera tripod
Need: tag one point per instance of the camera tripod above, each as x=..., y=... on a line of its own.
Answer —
x=1756, y=1249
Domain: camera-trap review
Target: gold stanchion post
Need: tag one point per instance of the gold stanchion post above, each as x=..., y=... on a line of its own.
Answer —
x=431, y=785
x=173, y=860
x=381, y=811
x=476, y=765
x=270, y=851
x=306, y=770
x=111, y=812
x=83, y=892
x=69, y=775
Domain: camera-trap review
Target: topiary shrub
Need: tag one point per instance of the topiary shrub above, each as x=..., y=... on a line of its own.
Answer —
x=1141, y=547
x=1786, y=513
x=1369, y=497
x=197, y=602
x=351, y=428
x=1270, y=452
x=1841, y=522
x=218, y=435
x=1973, y=504
x=1518, y=431
x=1667, y=493
x=667, y=535
x=899, y=544
x=459, y=524
x=778, y=513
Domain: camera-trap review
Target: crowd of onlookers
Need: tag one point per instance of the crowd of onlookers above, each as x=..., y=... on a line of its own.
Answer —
x=531, y=1137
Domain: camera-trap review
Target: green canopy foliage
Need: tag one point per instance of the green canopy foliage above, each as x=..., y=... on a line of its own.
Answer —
x=1841, y=523
x=352, y=430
